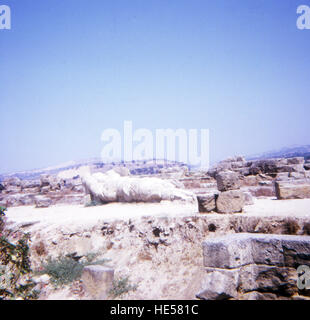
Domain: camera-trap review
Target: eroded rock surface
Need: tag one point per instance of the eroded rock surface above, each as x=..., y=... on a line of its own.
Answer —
x=261, y=264
x=111, y=187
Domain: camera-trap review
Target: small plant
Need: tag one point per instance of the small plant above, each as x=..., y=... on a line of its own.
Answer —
x=2, y=211
x=93, y=203
x=40, y=249
x=15, y=271
x=2, y=214
x=121, y=286
x=65, y=270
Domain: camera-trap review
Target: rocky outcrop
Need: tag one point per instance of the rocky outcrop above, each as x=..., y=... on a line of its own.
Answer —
x=207, y=202
x=255, y=167
x=255, y=177
x=42, y=202
x=231, y=201
x=292, y=190
x=97, y=281
x=253, y=266
x=227, y=180
x=53, y=189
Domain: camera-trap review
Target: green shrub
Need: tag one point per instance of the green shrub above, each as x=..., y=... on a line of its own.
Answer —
x=2, y=214
x=93, y=203
x=2, y=211
x=15, y=271
x=65, y=269
x=121, y=286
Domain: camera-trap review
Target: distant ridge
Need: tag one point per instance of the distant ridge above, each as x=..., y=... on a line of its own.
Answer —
x=288, y=152
x=34, y=174
x=134, y=166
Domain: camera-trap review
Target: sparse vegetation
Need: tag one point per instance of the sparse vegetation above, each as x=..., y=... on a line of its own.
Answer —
x=40, y=249
x=121, y=286
x=15, y=271
x=66, y=269
x=2, y=214
x=2, y=211
x=93, y=203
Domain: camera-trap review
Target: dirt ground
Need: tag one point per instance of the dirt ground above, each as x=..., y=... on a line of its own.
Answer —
x=158, y=246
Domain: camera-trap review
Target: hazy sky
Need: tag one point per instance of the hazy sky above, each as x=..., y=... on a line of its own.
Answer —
x=71, y=68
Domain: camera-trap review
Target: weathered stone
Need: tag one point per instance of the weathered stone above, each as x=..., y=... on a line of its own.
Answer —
x=111, y=187
x=78, y=188
x=297, y=175
x=12, y=189
x=72, y=183
x=14, y=181
x=236, y=250
x=44, y=279
x=250, y=181
x=272, y=279
x=98, y=281
x=206, y=202
x=296, y=160
x=282, y=176
x=253, y=266
x=238, y=164
x=267, y=166
x=227, y=180
x=230, y=201
x=53, y=182
x=30, y=184
x=26, y=200
x=254, y=295
x=219, y=285
x=262, y=191
x=16, y=200
x=273, y=166
x=292, y=168
x=44, y=180
x=227, y=252
x=45, y=189
x=291, y=190
x=12, y=200
x=122, y=171
x=42, y=201
x=248, y=198
x=244, y=171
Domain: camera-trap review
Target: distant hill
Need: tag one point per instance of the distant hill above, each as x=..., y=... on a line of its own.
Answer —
x=34, y=174
x=289, y=152
x=96, y=164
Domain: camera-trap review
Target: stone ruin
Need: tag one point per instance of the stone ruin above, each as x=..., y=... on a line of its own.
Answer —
x=225, y=188
x=248, y=266
x=247, y=262
x=113, y=187
x=237, y=181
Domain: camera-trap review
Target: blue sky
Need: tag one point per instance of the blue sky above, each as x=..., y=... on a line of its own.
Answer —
x=70, y=69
